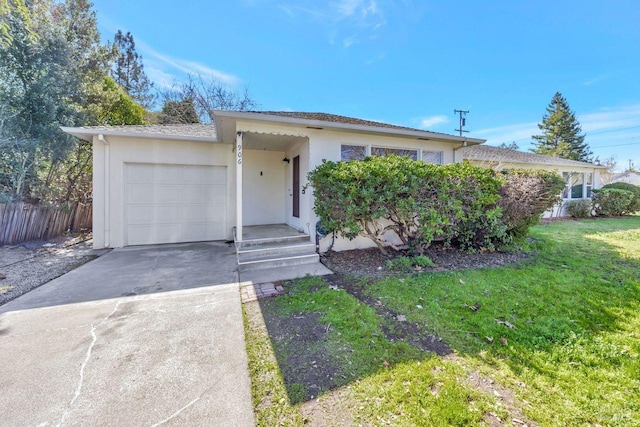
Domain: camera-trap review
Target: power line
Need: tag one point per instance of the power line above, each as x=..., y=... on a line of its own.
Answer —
x=463, y=120
x=616, y=145
x=612, y=130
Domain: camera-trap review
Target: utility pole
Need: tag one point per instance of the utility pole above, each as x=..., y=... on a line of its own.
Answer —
x=463, y=120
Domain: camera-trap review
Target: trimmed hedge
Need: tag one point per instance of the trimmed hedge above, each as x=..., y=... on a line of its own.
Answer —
x=464, y=205
x=419, y=202
x=526, y=195
x=635, y=203
x=611, y=201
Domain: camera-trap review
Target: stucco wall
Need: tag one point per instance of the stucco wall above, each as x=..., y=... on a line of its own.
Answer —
x=108, y=177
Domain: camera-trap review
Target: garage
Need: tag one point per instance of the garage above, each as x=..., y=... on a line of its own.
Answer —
x=167, y=203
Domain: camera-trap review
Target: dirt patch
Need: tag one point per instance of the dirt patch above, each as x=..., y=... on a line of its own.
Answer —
x=394, y=326
x=331, y=409
x=505, y=396
x=373, y=263
x=307, y=366
x=28, y=265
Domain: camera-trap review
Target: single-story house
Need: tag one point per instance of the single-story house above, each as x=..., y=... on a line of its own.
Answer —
x=630, y=177
x=182, y=183
x=581, y=177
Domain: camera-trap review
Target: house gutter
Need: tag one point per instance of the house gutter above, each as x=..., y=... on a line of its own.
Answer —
x=107, y=179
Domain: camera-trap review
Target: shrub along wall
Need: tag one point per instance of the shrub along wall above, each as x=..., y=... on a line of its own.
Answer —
x=634, y=205
x=526, y=195
x=612, y=201
x=457, y=203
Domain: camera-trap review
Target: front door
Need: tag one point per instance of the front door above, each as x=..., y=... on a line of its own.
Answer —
x=296, y=187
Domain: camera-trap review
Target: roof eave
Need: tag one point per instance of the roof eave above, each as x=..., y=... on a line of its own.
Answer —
x=586, y=165
x=347, y=126
x=88, y=134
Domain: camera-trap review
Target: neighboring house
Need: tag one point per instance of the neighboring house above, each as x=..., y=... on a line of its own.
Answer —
x=630, y=177
x=581, y=177
x=183, y=183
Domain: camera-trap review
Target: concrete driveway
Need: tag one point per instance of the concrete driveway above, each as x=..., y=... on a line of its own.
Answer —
x=139, y=337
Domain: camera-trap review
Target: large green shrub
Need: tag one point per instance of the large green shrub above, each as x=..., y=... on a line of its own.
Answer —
x=580, y=208
x=611, y=201
x=635, y=204
x=526, y=195
x=419, y=202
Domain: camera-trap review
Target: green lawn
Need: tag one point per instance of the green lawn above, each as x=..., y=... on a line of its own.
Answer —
x=555, y=341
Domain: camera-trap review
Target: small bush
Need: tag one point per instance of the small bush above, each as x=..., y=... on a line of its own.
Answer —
x=409, y=264
x=526, y=195
x=579, y=208
x=635, y=204
x=611, y=201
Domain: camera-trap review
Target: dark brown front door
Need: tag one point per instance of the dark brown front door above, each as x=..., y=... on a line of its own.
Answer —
x=296, y=186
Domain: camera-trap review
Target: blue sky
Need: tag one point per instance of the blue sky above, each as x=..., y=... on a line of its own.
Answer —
x=408, y=62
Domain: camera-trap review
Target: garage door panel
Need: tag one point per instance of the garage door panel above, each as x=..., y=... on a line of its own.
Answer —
x=215, y=194
x=214, y=229
x=175, y=203
x=198, y=175
x=192, y=193
x=142, y=173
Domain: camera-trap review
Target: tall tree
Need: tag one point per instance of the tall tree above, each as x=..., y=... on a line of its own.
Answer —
x=44, y=83
x=12, y=9
x=561, y=133
x=128, y=70
x=511, y=146
x=178, y=112
x=207, y=96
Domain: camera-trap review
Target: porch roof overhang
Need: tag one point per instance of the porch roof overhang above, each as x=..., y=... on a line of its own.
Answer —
x=225, y=122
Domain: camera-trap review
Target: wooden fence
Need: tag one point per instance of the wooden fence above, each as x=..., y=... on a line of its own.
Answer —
x=21, y=222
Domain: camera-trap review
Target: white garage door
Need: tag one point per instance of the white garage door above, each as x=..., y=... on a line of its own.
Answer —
x=175, y=203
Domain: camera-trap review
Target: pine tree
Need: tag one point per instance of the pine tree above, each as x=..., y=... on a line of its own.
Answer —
x=128, y=70
x=561, y=133
x=178, y=112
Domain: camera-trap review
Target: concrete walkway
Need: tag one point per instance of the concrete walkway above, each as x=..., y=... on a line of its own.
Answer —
x=139, y=337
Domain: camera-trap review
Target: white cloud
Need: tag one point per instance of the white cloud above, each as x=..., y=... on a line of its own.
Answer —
x=608, y=131
x=608, y=119
x=349, y=41
x=516, y=132
x=160, y=78
x=431, y=121
x=340, y=17
x=164, y=66
x=595, y=80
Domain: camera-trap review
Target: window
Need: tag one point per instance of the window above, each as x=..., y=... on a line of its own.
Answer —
x=576, y=185
x=589, y=183
x=434, y=157
x=353, y=152
x=381, y=152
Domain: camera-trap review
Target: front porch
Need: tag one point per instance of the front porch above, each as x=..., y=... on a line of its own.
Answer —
x=257, y=233
x=267, y=253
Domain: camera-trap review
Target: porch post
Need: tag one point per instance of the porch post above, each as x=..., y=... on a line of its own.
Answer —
x=239, y=187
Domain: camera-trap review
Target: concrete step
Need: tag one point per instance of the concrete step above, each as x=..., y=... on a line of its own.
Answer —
x=269, y=262
x=275, y=250
x=291, y=240
x=283, y=273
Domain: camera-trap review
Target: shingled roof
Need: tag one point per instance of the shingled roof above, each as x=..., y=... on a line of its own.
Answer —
x=193, y=132
x=334, y=118
x=200, y=132
x=487, y=153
